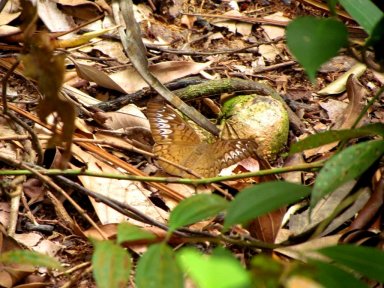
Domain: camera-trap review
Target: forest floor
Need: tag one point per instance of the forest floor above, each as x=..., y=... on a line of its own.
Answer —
x=187, y=42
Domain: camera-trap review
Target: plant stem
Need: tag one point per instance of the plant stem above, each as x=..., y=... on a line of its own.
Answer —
x=74, y=172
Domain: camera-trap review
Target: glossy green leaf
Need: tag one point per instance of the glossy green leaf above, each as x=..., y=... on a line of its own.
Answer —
x=327, y=137
x=158, y=268
x=111, y=265
x=364, y=12
x=367, y=261
x=29, y=257
x=330, y=275
x=263, y=198
x=213, y=271
x=129, y=232
x=344, y=166
x=196, y=208
x=314, y=41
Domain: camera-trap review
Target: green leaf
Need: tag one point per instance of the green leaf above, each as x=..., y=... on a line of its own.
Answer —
x=364, y=12
x=314, y=41
x=157, y=268
x=128, y=232
x=111, y=265
x=196, y=208
x=31, y=258
x=377, y=41
x=266, y=271
x=344, y=166
x=213, y=271
x=326, y=137
x=367, y=261
x=263, y=198
x=332, y=6
x=329, y=275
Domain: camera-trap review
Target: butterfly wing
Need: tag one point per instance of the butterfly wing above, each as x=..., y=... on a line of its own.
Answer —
x=178, y=142
x=168, y=127
x=224, y=153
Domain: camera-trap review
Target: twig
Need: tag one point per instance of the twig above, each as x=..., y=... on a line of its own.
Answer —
x=134, y=47
x=35, y=140
x=15, y=203
x=57, y=188
x=245, y=19
x=76, y=172
x=207, y=53
x=123, y=208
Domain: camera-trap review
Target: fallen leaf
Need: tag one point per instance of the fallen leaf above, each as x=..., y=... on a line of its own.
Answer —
x=92, y=74
x=128, y=116
x=307, y=249
x=339, y=85
x=303, y=222
x=269, y=52
x=129, y=192
x=275, y=32
x=335, y=108
x=242, y=28
x=165, y=72
x=53, y=18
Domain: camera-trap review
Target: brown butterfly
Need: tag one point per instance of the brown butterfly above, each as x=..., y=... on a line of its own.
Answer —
x=177, y=141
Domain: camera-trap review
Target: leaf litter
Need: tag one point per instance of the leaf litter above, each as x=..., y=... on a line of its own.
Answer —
x=189, y=35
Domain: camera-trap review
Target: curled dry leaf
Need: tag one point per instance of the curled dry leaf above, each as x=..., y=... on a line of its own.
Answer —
x=345, y=120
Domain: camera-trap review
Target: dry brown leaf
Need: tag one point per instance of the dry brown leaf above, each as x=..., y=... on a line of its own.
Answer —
x=92, y=74
x=53, y=18
x=335, y=108
x=275, y=32
x=308, y=249
x=34, y=189
x=165, y=72
x=129, y=192
x=111, y=49
x=6, y=18
x=267, y=226
x=339, y=85
x=12, y=273
x=303, y=222
x=356, y=93
x=338, y=64
x=345, y=120
x=6, y=30
x=10, y=149
x=299, y=281
x=242, y=28
x=83, y=9
x=128, y=116
x=269, y=52
x=109, y=230
x=5, y=209
x=188, y=20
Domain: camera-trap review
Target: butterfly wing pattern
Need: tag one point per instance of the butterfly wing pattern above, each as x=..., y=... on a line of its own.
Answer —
x=177, y=141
